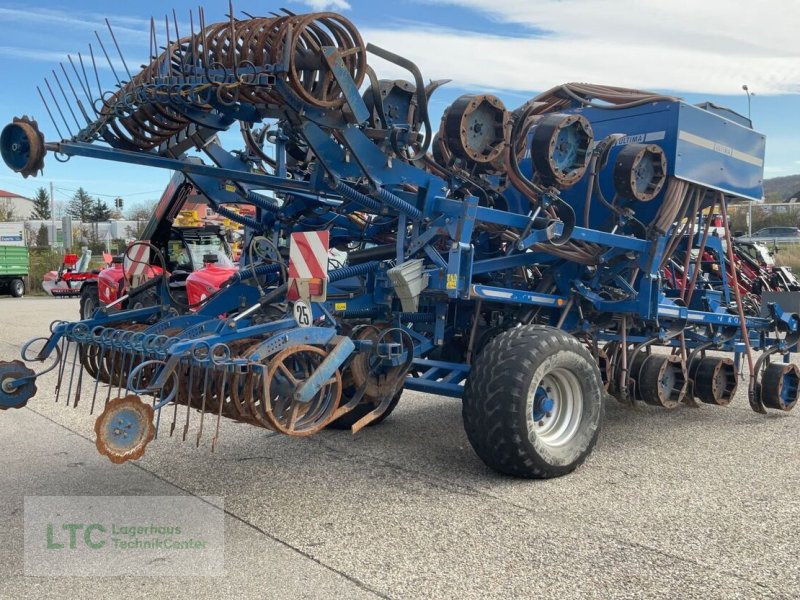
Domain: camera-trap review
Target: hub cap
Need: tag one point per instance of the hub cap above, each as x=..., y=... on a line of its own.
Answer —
x=557, y=407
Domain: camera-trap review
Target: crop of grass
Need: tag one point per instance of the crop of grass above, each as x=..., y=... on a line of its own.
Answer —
x=43, y=260
x=788, y=255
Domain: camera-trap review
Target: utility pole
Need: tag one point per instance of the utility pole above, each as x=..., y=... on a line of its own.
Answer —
x=52, y=218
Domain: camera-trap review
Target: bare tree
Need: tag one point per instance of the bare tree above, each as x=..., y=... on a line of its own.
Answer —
x=7, y=211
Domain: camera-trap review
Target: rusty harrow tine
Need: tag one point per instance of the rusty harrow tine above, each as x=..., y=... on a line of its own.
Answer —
x=203, y=406
x=111, y=367
x=64, y=349
x=133, y=357
x=120, y=368
x=58, y=106
x=179, y=48
x=121, y=57
x=153, y=43
x=80, y=81
x=79, y=384
x=74, y=93
x=96, y=74
x=97, y=377
x=88, y=84
x=100, y=365
x=72, y=372
x=47, y=108
x=66, y=99
x=222, y=395
x=169, y=44
x=130, y=368
x=189, y=398
x=174, y=417
x=156, y=395
x=123, y=355
x=192, y=37
x=108, y=59
x=175, y=405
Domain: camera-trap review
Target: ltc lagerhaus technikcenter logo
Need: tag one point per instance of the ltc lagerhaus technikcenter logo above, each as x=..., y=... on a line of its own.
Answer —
x=124, y=535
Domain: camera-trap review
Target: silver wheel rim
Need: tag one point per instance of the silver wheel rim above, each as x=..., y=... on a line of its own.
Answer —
x=561, y=423
x=89, y=308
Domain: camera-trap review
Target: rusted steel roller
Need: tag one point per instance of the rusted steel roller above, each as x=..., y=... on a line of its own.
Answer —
x=245, y=382
x=146, y=112
x=780, y=386
x=658, y=380
x=560, y=148
x=22, y=146
x=288, y=370
x=124, y=429
x=378, y=382
x=309, y=74
x=715, y=380
x=475, y=129
x=640, y=172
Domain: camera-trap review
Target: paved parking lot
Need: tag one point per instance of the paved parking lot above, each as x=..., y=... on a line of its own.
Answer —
x=695, y=503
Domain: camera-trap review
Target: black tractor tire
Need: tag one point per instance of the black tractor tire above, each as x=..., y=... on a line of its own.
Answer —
x=145, y=299
x=519, y=374
x=347, y=420
x=17, y=288
x=90, y=301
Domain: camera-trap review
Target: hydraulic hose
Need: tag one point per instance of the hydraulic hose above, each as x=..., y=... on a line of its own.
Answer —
x=355, y=196
x=353, y=271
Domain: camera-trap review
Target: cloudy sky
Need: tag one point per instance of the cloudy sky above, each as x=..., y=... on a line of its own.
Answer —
x=514, y=48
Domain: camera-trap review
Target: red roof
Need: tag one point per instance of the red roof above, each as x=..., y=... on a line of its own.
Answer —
x=5, y=194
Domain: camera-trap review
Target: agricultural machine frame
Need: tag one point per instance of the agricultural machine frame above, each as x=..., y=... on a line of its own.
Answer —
x=513, y=258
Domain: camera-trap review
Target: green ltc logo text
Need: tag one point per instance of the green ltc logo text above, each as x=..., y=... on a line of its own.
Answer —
x=73, y=529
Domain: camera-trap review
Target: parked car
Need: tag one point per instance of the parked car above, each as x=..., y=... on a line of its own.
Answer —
x=778, y=235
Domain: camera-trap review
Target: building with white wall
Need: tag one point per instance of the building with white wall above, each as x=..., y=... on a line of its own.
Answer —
x=23, y=207
x=105, y=232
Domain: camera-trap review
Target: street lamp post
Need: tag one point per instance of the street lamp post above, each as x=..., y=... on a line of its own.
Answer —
x=749, y=94
x=749, y=118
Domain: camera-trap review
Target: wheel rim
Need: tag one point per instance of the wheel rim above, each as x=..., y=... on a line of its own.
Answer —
x=89, y=307
x=556, y=407
x=18, y=287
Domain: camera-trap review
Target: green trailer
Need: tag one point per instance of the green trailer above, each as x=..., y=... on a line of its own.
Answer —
x=14, y=267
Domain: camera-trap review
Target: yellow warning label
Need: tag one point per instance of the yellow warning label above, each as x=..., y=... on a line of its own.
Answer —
x=340, y=306
x=452, y=281
x=230, y=187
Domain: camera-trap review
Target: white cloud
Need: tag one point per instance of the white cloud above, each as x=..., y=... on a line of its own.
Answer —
x=54, y=57
x=320, y=5
x=681, y=45
x=131, y=28
x=32, y=54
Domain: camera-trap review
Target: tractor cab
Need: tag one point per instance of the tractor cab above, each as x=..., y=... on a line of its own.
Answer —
x=179, y=239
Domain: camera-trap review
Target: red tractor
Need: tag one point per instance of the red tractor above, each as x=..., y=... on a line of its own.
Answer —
x=197, y=259
x=68, y=281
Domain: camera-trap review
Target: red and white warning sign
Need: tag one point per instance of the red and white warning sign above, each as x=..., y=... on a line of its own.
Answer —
x=136, y=263
x=308, y=266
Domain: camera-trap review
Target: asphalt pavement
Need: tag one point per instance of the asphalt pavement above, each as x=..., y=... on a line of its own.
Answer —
x=691, y=503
